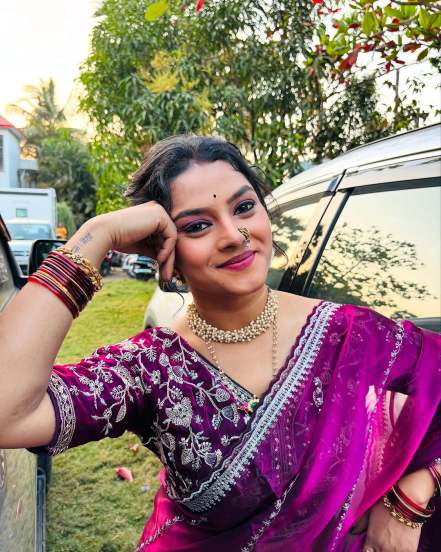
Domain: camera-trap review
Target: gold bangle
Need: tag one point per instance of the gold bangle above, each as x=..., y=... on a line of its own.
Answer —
x=399, y=517
x=84, y=264
x=60, y=287
x=72, y=280
x=409, y=506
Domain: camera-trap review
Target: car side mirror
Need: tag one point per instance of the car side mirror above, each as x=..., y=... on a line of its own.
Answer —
x=40, y=250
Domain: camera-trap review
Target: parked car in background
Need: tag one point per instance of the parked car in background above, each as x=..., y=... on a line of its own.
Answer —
x=30, y=214
x=140, y=267
x=23, y=233
x=363, y=228
x=23, y=476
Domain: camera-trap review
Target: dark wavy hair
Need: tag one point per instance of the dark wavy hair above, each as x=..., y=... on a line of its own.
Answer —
x=172, y=156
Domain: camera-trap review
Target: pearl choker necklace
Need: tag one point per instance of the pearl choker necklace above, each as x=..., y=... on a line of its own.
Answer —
x=256, y=327
x=210, y=334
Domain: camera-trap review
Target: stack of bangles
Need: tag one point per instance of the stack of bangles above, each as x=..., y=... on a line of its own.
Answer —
x=70, y=277
x=407, y=511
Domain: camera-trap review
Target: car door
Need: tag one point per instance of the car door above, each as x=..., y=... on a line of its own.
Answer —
x=297, y=216
x=18, y=468
x=382, y=247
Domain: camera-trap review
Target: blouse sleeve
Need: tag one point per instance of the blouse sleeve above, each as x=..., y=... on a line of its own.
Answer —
x=103, y=395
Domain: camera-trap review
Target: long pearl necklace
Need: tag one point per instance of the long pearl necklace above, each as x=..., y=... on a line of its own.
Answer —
x=210, y=334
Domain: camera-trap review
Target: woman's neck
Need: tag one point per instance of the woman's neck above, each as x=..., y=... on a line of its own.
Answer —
x=230, y=312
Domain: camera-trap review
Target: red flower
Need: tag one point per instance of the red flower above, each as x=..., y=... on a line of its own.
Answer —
x=318, y=2
x=354, y=25
x=199, y=5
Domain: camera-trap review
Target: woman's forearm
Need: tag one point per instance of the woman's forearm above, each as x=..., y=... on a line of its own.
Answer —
x=32, y=329
x=418, y=485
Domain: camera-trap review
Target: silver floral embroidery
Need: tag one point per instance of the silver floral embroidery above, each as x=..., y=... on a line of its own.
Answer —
x=222, y=480
x=158, y=532
x=317, y=394
x=67, y=414
x=250, y=546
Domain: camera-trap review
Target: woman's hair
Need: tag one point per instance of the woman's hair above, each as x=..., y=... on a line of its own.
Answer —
x=169, y=158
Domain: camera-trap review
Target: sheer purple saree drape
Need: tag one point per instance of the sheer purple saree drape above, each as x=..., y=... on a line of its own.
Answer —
x=352, y=409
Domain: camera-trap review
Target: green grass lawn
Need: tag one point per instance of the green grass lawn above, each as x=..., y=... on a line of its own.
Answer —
x=89, y=509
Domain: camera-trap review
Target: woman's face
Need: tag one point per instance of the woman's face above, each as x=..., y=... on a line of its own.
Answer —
x=210, y=202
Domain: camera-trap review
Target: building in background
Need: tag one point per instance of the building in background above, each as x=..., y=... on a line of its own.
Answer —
x=15, y=172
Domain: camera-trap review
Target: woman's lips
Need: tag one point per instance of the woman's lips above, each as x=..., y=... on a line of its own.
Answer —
x=240, y=262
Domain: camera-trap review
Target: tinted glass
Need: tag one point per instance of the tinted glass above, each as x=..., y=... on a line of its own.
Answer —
x=6, y=282
x=30, y=231
x=385, y=253
x=287, y=232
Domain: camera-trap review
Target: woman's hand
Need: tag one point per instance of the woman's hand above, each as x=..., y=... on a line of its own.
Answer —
x=386, y=534
x=145, y=229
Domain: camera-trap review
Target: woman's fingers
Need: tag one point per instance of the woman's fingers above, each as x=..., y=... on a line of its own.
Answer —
x=167, y=267
x=360, y=526
x=166, y=251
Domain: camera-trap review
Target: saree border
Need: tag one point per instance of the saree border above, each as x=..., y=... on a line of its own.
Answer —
x=60, y=392
x=296, y=372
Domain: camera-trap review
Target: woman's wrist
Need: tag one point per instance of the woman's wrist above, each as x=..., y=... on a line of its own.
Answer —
x=91, y=241
x=419, y=486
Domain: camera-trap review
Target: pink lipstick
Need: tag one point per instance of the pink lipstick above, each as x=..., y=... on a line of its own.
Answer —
x=240, y=262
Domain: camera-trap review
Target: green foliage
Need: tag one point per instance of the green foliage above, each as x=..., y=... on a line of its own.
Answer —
x=234, y=69
x=66, y=218
x=113, y=519
x=64, y=159
x=64, y=164
x=388, y=31
x=42, y=114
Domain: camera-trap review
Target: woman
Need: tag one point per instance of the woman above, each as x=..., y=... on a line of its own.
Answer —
x=283, y=423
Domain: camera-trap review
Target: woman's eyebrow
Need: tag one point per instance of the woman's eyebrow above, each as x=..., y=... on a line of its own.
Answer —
x=201, y=211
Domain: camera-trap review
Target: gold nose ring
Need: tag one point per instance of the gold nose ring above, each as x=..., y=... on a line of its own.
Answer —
x=245, y=232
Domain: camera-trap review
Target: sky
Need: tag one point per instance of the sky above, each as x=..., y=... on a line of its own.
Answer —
x=40, y=39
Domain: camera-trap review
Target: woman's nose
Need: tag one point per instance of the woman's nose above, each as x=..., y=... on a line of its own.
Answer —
x=229, y=236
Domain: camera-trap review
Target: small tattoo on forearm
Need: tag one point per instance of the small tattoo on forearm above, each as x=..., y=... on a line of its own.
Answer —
x=83, y=241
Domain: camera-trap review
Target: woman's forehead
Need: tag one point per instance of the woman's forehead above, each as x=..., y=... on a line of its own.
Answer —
x=205, y=181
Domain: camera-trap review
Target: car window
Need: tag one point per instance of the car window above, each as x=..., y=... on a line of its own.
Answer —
x=385, y=253
x=30, y=231
x=6, y=280
x=288, y=228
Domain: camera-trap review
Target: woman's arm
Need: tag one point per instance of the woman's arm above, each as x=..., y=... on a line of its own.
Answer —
x=35, y=323
x=386, y=533
x=32, y=329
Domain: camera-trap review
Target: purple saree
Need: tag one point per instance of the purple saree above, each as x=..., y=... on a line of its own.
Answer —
x=354, y=406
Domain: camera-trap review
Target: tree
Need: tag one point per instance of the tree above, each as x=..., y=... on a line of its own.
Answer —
x=64, y=164
x=66, y=218
x=42, y=114
x=64, y=159
x=389, y=30
x=237, y=71
x=360, y=267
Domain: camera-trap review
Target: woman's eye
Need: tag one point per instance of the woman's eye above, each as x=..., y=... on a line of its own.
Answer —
x=245, y=206
x=195, y=227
